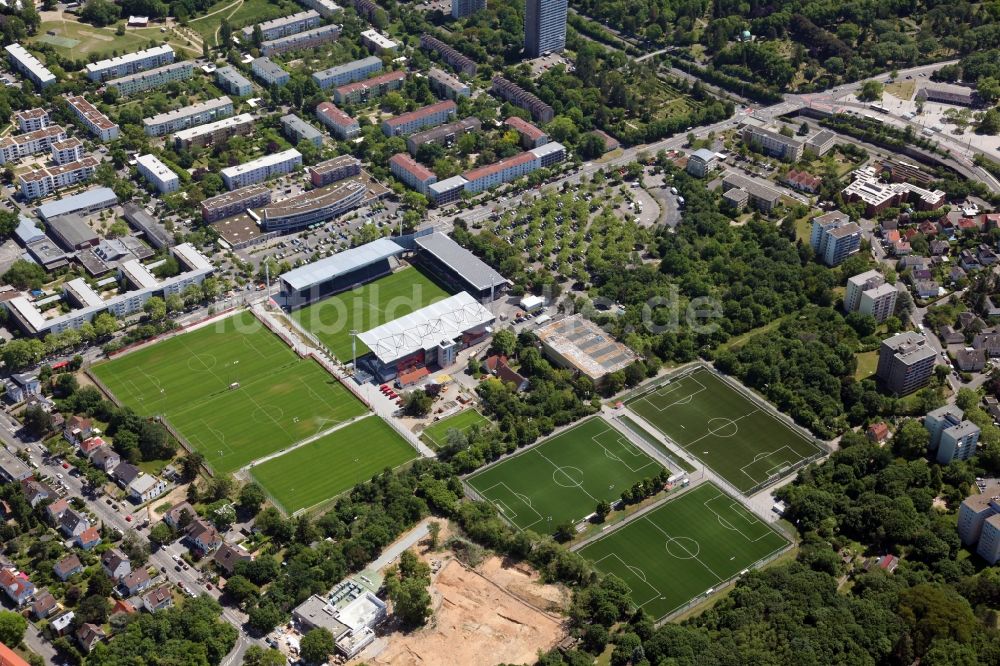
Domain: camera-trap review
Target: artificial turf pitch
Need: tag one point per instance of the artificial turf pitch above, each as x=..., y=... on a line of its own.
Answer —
x=281, y=398
x=743, y=443
x=564, y=477
x=362, y=309
x=334, y=463
x=683, y=548
x=436, y=434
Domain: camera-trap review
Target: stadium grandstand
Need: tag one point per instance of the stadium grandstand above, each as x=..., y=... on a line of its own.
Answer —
x=342, y=271
x=459, y=268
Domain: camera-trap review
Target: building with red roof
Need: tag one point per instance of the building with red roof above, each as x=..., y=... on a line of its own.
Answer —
x=531, y=136
x=359, y=91
x=338, y=122
x=411, y=172
x=431, y=115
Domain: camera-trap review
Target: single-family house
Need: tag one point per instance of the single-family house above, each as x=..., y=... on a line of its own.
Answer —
x=56, y=510
x=16, y=586
x=228, y=555
x=106, y=458
x=508, y=375
x=950, y=336
x=989, y=341
x=146, y=487
x=179, y=515
x=77, y=429
x=91, y=444
x=157, y=599
x=88, y=635
x=67, y=567
x=44, y=605
x=928, y=228
x=36, y=492
x=878, y=432
x=968, y=260
x=73, y=523
x=926, y=288
x=986, y=255
x=20, y=387
x=126, y=473
x=62, y=624
x=970, y=360
x=939, y=248
x=136, y=581
x=122, y=606
x=957, y=273
x=89, y=538
x=116, y=564
x=203, y=536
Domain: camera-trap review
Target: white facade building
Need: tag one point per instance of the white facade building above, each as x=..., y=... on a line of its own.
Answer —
x=158, y=173
x=261, y=169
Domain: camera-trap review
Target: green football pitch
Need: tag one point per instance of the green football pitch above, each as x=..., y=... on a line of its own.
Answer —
x=334, y=463
x=436, y=434
x=281, y=399
x=683, y=548
x=745, y=444
x=362, y=309
x=564, y=477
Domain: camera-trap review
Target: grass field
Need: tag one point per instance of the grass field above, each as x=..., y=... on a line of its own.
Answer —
x=281, y=399
x=366, y=307
x=731, y=434
x=334, y=463
x=647, y=437
x=240, y=13
x=564, y=477
x=683, y=548
x=78, y=40
x=436, y=434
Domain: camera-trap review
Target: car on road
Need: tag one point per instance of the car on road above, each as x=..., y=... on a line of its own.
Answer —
x=128, y=518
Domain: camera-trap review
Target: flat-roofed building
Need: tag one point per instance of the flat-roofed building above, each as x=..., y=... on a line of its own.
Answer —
x=446, y=191
x=877, y=196
x=261, y=169
x=518, y=96
x=326, y=8
x=771, y=142
x=214, y=132
x=95, y=121
x=348, y=72
x=67, y=150
x=445, y=135
x=822, y=142
x=428, y=116
x=463, y=8
x=905, y=363
x=338, y=122
x=411, y=172
x=13, y=148
x=312, y=207
x=188, y=116
x=130, y=63
x=544, y=27
x=531, y=136
x=85, y=203
x=762, y=196
x=297, y=130
x=72, y=232
x=701, y=162
x=974, y=511
x=42, y=182
x=362, y=91
x=285, y=25
x=349, y=612
x=458, y=267
x=158, y=173
x=269, y=72
x=460, y=63
x=233, y=82
x=147, y=225
x=152, y=78
x=330, y=171
x=446, y=85
x=319, y=279
x=377, y=43
x=26, y=63
x=303, y=40
x=578, y=344
x=232, y=203
x=834, y=237
x=30, y=120
x=870, y=294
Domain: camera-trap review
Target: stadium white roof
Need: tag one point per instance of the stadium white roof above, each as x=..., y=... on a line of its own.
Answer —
x=472, y=269
x=341, y=263
x=427, y=327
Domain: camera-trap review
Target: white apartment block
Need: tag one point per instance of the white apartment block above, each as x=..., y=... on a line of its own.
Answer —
x=70, y=150
x=98, y=123
x=286, y=25
x=869, y=293
x=376, y=42
x=233, y=82
x=261, y=169
x=979, y=521
x=153, y=78
x=301, y=40
x=32, y=120
x=41, y=183
x=772, y=142
x=188, y=116
x=26, y=63
x=130, y=63
x=348, y=72
x=269, y=72
x=158, y=173
x=326, y=8
x=21, y=145
x=338, y=122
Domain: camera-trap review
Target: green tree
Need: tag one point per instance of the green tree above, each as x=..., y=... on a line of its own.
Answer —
x=990, y=122
x=241, y=589
x=161, y=534
x=12, y=628
x=417, y=403
x=871, y=91
x=317, y=646
x=25, y=274
x=504, y=342
x=155, y=308
x=251, y=498
x=258, y=656
x=8, y=223
x=37, y=421
x=911, y=440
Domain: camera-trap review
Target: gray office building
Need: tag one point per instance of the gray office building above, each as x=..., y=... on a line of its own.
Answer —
x=544, y=26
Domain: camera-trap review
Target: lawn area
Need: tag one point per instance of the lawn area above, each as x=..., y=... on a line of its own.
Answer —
x=280, y=399
x=334, y=463
x=902, y=89
x=683, y=549
x=743, y=442
x=373, y=304
x=436, y=434
x=75, y=40
x=240, y=13
x=563, y=478
x=867, y=364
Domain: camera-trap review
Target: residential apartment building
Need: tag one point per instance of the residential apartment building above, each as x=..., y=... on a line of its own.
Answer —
x=362, y=91
x=428, y=116
x=463, y=8
x=377, y=43
x=31, y=120
x=95, y=121
x=66, y=151
x=877, y=196
x=447, y=86
x=444, y=135
x=411, y=172
x=29, y=65
x=759, y=194
x=297, y=130
x=261, y=169
x=342, y=125
x=158, y=173
x=771, y=142
x=330, y=171
x=130, y=63
x=188, y=116
x=348, y=72
x=531, y=136
x=269, y=72
x=233, y=203
x=544, y=27
x=326, y=8
x=905, y=363
x=233, y=82
x=215, y=132
x=951, y=436
x=518, y=96
x=303, y=40
x=869, y=293
x=485, y=177
x=979, y=522
x=701, y=162
x=460, y=63
x=365, y=8
x=153, y=78
x=834, y=237
x=43, y=182
x=284, y=26
x=13, y=148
